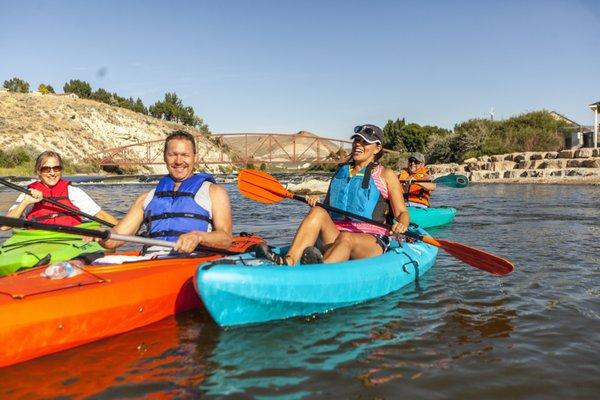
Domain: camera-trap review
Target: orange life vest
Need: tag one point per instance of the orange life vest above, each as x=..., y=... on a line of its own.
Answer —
x=415, y=193
x=49, y=213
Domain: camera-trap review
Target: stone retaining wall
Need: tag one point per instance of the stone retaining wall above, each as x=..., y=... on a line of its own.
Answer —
x=567, y=166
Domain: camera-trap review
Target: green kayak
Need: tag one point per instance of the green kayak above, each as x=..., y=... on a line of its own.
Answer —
x=26, y=248
x=432, y=216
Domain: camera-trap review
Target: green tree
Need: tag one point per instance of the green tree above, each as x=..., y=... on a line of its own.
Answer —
x=45, y=89
x=102, y=95
x=392, y=135
x=140, y=107
x=172, y=109
x=17, y=85
x=78, y=87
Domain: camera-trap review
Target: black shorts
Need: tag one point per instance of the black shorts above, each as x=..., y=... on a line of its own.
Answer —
x=383, y=241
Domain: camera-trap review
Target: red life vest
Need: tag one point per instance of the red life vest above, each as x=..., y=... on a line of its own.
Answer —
x=47, y=213
x=415, y=193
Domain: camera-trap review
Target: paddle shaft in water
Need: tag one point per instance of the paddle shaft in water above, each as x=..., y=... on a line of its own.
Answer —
x=57, y=203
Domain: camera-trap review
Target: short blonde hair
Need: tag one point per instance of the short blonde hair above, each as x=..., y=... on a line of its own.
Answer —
x=44, y=156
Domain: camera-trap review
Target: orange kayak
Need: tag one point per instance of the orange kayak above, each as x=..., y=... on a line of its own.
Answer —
x=39, y=316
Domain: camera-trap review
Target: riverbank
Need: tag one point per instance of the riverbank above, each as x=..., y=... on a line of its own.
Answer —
x=567, y=167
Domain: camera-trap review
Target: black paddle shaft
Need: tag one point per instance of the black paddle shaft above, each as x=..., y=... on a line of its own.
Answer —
x=22, y=223
x=57, y=203
x=358, y=217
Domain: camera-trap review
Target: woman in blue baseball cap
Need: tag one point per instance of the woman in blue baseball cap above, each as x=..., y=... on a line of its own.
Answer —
x=361, y=186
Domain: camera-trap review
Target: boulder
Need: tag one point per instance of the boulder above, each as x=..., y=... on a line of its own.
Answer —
x=573, y=163
x=553, y=164
x=501, y=165
x=475, y=166
x=566, y=154
x=445, y=168
x=470, y=160
x=484, y=158
x=583, y=153
x=591, y=163
x=596, y=153
x=552, y=154
x=523, y=156
x=496, y=158
x=538, y=156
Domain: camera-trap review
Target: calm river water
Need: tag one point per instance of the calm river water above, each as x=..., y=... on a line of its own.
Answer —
x=459, y=333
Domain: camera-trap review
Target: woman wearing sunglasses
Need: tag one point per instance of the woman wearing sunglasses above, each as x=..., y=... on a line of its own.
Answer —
x=360, y=186
x=416, y=192
x=49, y=167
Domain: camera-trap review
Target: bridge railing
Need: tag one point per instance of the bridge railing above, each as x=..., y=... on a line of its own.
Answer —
x=238, y=148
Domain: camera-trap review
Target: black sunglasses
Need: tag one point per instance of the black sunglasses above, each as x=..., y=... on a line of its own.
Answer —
x=413, y=161
x=366, y=129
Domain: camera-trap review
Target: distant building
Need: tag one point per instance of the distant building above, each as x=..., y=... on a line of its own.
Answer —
x=595, y=107
x=575, y=135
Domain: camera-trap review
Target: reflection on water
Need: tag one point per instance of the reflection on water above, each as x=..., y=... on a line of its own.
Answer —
x=458, y=333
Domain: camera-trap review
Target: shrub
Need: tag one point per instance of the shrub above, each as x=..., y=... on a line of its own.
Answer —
x=78, y=87
x=16, y=85
x=45, y=89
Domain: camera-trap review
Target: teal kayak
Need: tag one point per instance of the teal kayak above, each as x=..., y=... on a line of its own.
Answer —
x=431, y=216
x=243, y=289
x=26, y=248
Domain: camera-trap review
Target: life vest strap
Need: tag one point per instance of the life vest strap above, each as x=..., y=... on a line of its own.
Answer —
x=172, y=193
x=177, y=215
x=165, y=233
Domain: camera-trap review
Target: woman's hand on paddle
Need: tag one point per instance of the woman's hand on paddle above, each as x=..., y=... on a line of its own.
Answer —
x=398, y=228
x=189, y=241
x=312, y=200
x=33, y=197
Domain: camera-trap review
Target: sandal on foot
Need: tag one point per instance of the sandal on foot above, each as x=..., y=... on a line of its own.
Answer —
x=311, y=255
x=263, y=251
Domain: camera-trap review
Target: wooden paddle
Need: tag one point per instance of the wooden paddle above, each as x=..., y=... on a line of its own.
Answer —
x=104, y=234
x=264, y=188
x=451, y=180
x=57, y=203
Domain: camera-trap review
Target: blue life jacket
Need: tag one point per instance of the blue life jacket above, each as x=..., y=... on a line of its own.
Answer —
x=172, y=213
x=357, y=194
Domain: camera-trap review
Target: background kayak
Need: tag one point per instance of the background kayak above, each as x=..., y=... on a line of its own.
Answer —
x=243, y=289
x=26, y=248
x=431, y=216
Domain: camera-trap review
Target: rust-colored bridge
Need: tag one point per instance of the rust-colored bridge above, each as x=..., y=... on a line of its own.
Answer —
x=238, y=148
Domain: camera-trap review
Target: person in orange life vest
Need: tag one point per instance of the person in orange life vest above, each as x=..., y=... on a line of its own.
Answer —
x=416, y=193
x=49, y=167
x=361, y=186
x=206, y=219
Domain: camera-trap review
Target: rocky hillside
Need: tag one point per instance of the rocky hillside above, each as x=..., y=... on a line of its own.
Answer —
x=77, y=128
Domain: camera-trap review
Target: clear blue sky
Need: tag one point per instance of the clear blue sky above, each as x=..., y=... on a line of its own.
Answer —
x=322, y=66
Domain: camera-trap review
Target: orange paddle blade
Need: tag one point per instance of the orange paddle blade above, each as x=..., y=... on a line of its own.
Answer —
x=261, y=187
x=474, y=257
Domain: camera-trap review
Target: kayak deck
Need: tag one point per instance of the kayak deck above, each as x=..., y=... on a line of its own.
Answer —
x=239, y=290
x=26, y=248
x=431, y=216
x=39, y=316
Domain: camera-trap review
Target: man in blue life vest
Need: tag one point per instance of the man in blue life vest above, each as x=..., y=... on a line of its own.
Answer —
x=186, y=208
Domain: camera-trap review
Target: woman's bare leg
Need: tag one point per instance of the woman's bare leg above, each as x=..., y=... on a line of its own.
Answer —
x=352, y=246
x=317, y=223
